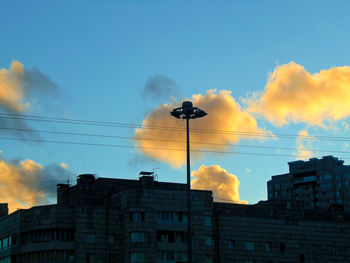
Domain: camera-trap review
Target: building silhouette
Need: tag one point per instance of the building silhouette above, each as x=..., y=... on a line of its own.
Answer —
x=319, y=183
x=118, y=220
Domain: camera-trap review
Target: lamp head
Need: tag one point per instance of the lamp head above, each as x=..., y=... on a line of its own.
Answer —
x=176, y=114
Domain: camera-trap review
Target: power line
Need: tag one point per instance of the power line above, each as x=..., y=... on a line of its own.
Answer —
x=164, y=140
x=152, y=148
x=168, y=128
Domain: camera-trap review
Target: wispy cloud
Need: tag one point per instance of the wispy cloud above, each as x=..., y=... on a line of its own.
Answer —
x=160, y=87
x=225, y=186
x=21, y=91
x=304, y=144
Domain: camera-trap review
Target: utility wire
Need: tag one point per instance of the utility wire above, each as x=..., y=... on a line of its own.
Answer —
x=168, y=128
x=164, y=140
x=150, y=148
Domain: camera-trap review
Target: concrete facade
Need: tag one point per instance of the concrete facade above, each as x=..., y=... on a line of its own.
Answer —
x=104, y=220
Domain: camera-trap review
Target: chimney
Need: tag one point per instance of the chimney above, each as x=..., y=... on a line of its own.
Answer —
x=63, y=194
x=146, y=178
x=4, y=209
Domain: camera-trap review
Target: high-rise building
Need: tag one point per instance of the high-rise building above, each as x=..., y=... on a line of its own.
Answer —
x=319, y=183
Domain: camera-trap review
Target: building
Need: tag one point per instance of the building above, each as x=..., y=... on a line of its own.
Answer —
x=319, y=183
x=116, y=220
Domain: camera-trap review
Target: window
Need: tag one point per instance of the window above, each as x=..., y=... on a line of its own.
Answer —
x=137, y=237
x=137, y=216
x=166, y=255
x=209, y=259
x=250, y=245
x=207, y=221
x=331, y=250
x=347, y=250
x=209, y=241
x=171, y=217
x=268, y=247
x=90, y=238
x=301, y=258
x=137, y=257
x=288, y=205
x=90, y=258
x=181, y=256
x=112, y=239
x=113, y=258
x=231, y=244
x=327, y=177
x=180, y=236
x=5, y=242
x=282, y=247
x=166, y=236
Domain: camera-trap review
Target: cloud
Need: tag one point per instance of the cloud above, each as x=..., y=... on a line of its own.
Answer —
x=22, y=90
x=225, y=117
x=304, y=142
x=26, y=183
x=64, y=165
x=159, y=87
x=345, y=125
x=294, y=95
x=223, y=184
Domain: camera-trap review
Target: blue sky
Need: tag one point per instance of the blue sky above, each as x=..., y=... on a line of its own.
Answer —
x=101, y=54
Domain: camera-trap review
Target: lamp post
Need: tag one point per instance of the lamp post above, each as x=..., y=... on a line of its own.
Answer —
x=187, y=112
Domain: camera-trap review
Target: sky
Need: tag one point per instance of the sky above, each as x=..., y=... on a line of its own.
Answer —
x=87, y=87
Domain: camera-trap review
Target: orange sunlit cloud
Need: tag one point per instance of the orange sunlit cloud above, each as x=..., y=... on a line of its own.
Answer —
x=223, y=184
x=27, y=183
x=22, y=90
x=224, y=114
x=11, y=90
x=294, y=95
x=304, y=142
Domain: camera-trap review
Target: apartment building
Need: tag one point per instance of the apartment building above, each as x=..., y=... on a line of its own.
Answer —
x=319, y=183
x=110, y=220
x=132, y=221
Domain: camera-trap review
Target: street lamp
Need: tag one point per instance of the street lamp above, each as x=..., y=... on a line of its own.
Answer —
x=187, y=112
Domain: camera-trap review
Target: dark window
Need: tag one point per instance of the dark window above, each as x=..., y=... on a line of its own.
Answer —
x=166, y=236
x=231, y=244
x=331, y=250
x=282, y=247
x=112, y=258
x=90, y=258
x=137, y=216
x=301, y=258
x=268, y=247
x=250, y=245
